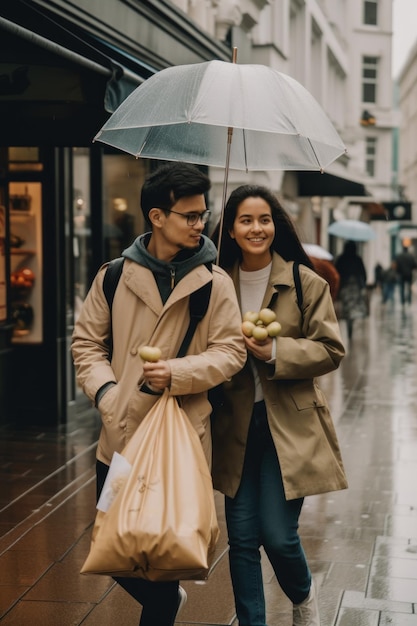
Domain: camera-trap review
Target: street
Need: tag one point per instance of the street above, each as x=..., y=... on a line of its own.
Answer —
x=361, y=543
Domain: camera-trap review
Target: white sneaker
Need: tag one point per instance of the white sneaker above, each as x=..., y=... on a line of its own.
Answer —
x=182, y=599
x=307, y=613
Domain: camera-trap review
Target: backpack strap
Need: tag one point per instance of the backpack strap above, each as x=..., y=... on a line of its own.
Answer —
x=111, y=279
x=110, y=282
x=199, y=301
x=298, y=286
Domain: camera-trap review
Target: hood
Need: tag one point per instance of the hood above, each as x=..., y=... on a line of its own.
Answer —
x=168, y=274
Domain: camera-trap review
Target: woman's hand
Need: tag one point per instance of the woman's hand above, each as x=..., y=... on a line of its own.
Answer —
x=261, y=350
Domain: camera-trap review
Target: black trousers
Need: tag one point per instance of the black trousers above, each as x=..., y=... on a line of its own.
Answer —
x=159, y=600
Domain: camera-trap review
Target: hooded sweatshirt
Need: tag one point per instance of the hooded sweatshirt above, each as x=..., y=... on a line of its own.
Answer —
x=168, y=274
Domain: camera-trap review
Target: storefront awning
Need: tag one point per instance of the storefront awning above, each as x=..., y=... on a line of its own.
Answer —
x=313, y=183
x=83, y=50
x=403, y=230
x=398, y=210
x=383, y=211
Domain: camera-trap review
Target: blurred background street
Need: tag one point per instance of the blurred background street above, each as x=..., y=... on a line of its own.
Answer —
x=361, y=543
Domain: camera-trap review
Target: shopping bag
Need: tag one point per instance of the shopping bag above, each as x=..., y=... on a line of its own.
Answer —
x=161, y=524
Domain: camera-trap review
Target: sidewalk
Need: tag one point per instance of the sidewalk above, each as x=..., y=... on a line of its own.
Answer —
x=361, y=543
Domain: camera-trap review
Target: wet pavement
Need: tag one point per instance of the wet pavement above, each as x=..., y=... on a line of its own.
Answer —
x=361, y=543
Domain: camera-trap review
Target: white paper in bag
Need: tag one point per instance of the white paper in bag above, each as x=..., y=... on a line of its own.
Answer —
x=117, y=475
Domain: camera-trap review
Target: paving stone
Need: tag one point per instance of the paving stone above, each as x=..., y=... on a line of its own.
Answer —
x=361, y=543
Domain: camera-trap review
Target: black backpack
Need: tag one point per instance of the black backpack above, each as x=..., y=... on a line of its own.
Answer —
x=199, y=301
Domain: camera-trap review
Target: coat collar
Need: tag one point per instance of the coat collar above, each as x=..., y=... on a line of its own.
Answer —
x=142, y=282
x=281, y=275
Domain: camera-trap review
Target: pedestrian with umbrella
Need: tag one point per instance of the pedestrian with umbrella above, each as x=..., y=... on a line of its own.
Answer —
x=274, y=441
x=264, y=120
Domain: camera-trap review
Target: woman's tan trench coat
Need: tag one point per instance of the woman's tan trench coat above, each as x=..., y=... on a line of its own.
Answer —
x=217, y=350
x=298, y=414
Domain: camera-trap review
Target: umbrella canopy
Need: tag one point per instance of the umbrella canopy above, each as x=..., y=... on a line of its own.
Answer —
x=187, y=112
x=318, y=252
x=353, y=230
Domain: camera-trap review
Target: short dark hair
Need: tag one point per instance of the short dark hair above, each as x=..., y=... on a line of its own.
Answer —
x=171, y=182
x=286, y=241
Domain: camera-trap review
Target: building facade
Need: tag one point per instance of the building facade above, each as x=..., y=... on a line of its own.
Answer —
x=68, y=204
x=407, y=102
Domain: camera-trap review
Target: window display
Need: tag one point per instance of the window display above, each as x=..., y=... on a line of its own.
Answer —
x=26, y=261
x=3, y=301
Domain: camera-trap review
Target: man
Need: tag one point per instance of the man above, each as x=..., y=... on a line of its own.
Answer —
x=405, y=263
x=151, y=307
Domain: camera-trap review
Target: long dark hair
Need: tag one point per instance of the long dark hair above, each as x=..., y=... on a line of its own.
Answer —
x=286, y=242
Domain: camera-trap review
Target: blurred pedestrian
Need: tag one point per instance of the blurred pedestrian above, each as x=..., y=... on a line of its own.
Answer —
x=406, y=264
x=161, y=269
x=389, y=281
x=326, y=269
x=274, y=441
x=378, y=275
x=352, y=293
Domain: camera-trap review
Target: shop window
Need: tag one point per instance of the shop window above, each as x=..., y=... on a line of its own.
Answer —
x=123, y=177
x=26, y=261
x=3, y=265
x=81, y=212
x=122, y=220
x=24, y=160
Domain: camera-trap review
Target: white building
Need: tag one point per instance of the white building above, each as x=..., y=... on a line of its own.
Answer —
x=407, y=153
x=340, y=50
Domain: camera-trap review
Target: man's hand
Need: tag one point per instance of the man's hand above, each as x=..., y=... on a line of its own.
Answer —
x=157, y=375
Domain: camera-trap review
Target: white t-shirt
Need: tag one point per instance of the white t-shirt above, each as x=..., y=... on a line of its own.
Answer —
x=252, y=290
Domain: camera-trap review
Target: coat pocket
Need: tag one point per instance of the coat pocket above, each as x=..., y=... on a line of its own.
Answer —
x=106, y=404
x=306, y=395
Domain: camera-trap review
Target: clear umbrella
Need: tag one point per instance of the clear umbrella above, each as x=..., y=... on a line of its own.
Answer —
x=246, y=117
x=318, y=252
x=183, y=113
x=354, y=230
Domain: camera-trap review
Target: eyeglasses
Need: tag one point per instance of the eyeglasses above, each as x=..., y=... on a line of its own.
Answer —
x=193, y=218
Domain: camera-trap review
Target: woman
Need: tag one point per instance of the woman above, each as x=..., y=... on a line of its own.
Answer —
x=352, y=291
x=274, y=440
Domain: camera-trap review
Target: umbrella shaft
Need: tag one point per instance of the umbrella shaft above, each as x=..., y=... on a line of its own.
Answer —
x=226, y=175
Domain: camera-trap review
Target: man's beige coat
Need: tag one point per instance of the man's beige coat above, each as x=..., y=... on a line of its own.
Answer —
x=298, y=415
x=216, y=352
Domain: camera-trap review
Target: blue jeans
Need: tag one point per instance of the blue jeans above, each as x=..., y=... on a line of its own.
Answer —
x=259, y=515
x=159, y=600
x=388, y=290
